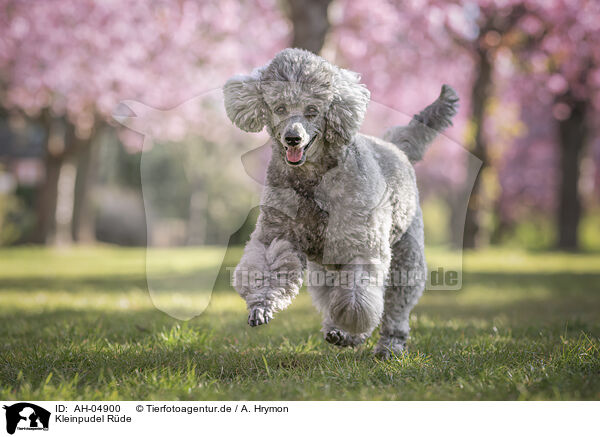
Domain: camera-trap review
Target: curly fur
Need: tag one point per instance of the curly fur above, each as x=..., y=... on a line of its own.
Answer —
x=337, y=203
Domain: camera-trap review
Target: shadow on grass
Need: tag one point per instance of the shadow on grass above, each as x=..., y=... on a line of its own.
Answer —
x=521, y=298
x=103, y=283
x=556, y=282
x=115, y=283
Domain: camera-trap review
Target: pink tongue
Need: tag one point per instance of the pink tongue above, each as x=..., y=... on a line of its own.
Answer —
x=294, y=154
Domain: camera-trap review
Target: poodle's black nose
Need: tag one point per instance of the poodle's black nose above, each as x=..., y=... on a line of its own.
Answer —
x=292, y=140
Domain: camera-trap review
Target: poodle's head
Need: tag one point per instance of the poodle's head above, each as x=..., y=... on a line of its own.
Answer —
x=307, y=104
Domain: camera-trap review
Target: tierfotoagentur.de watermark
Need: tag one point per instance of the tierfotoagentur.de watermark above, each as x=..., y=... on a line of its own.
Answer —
x=439, y=278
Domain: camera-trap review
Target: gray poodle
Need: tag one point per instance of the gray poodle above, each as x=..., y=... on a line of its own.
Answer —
x=342, y=205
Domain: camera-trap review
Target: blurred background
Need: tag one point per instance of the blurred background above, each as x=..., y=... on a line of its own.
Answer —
x=527, y=73
x=113, y=134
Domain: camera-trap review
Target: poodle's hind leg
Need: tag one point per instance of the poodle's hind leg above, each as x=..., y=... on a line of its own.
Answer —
x=408, y=273
x=321, y=295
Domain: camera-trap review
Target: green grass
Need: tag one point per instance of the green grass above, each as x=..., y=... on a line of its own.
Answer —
x=79, y=324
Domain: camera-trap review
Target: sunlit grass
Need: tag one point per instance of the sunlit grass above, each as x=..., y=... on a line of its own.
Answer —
x=80, y=324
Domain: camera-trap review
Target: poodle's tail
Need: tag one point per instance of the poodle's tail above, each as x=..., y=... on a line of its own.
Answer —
x=425, y=126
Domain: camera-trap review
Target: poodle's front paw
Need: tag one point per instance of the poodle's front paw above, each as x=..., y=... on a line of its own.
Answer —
x=388, y=348
x=259, y=316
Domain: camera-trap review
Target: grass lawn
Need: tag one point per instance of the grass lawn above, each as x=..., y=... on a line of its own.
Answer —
x=79, y=324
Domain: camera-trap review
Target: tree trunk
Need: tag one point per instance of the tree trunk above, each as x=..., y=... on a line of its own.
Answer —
x=64, y=204
x=572, y=135
x=46, y=201
x=479, y=99
x=310, y=23
x=83, y=227
x=45, y=204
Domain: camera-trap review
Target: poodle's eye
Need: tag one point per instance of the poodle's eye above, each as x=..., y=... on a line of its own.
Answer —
x=311, y=111
x=280, y=110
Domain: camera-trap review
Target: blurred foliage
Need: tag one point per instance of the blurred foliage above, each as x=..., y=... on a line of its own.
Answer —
x=9, y=205
x=117, y=167
x=534, y=232
x=590, y=231
x=543, y=59
x=435, y=218
x=16, y=219
x=191, y=180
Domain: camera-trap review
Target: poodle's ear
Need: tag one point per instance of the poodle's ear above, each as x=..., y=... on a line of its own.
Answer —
x=243, y=102
x=348, y=107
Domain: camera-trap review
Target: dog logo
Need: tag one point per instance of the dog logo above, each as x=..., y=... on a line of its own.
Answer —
x=26, y=416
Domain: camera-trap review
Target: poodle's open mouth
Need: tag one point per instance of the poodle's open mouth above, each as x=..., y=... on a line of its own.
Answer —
x=297, y=155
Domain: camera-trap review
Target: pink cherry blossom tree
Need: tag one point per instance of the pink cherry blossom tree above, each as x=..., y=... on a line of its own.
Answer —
x=66, y=64
x=560, y=72
x=406, y=51
x=526, y=71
